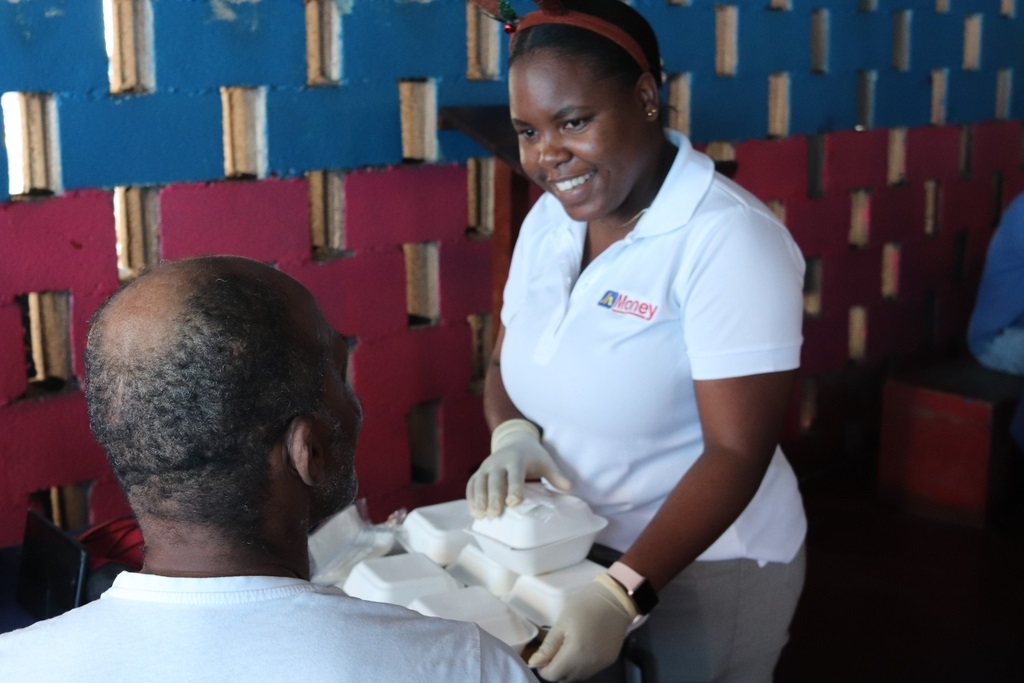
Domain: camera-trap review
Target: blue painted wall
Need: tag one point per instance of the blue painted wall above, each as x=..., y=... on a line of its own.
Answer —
x=173, y=134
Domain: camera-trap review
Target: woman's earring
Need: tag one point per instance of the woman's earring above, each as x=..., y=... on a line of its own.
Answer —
x=652, y=113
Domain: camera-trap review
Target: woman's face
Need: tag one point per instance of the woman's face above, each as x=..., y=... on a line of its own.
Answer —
x=586, y=141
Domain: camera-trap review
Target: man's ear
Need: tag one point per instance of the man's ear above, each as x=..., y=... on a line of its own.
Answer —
x=304, y=455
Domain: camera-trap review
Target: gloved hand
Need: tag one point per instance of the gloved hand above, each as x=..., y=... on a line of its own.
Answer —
x=588, y=634
x=516, y=453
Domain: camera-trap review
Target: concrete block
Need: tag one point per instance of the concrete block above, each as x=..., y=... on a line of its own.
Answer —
x=859, y=41
x=61, y=243
x=902, y=98
x=465, y=278
x=855, y=159
x=404, y=205
x=34, y=455
x=851, y=278
x=971, y=96
x=771, y=41
x=13, y=374
x=825, y=343
x=995, y=147
x=361, y=295
x=333, y=128
x=52, y=46
x=933, y=153
x=382, y=455
x=966, y=204
x=465, y=437
x=897, y=213
x=240, y=43
x=746, y=115
x=373, y=29
x=773, y=169
x=419, y=365
x=264, y=220
x=141, y=139
x=822, y=103
x=924, y=264
x=1013, y=185
x=820, y=226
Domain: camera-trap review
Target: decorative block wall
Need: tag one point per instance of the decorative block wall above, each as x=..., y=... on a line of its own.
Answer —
x=888, y=134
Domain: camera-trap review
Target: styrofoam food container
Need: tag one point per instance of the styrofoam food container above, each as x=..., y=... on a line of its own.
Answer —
x=438, y=531
x=474, y=568
x=544, y=558
x=397, y=579
x=476, y=604
x=542, y=598
x=544, y=517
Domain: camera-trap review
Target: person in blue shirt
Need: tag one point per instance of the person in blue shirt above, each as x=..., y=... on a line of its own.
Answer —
x=995, y=335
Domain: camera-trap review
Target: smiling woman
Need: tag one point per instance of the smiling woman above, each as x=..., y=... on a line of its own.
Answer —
x=651, y=328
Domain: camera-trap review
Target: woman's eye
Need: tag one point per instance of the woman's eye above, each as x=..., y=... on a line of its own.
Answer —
x=526, y=133
x=574, y=124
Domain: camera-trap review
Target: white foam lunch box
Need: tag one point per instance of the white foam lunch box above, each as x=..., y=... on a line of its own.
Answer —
x=477, y=605
x=541, y=559
x=437, y=531
x=544, y=517
x=542, y=598
x=398, y=579
x=473, y=567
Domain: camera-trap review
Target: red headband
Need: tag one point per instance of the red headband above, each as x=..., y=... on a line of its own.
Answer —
x=591, y=23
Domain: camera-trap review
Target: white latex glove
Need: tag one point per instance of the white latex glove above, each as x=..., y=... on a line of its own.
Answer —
x=516, y=454
x=588, y=634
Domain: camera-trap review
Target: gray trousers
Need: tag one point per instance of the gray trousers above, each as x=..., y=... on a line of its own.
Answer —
x=720, y=622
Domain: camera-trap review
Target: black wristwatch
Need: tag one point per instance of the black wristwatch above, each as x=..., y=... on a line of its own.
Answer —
x=636, y=586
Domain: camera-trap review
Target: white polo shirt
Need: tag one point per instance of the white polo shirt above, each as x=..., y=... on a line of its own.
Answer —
x=708, y=285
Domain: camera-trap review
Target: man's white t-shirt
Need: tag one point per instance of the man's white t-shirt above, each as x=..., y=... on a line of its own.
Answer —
x=708, y=285
x=246, y=629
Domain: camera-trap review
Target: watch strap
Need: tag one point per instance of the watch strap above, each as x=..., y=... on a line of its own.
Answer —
x=636, y=586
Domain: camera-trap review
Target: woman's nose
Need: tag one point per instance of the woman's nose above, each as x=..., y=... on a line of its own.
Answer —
x=552, y=152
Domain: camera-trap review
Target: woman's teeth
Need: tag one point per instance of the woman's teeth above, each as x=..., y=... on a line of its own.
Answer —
x=566, y=185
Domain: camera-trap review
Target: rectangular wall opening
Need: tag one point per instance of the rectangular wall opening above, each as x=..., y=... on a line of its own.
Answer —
x=778, y=105
x=932, y=199
x=972, y=42
x=46, y=317
x=136, y=222
x=480, y=207
x=940, y=80
x=866, y=81
x=858, y=333
x=812, y=287
x=679, y=102
x=244, y=119
x=128, y=37
x=860, y=218
x=890, y=270
x=66, y=505
x=1004, y=93
x=424, y=442
x=897, y=156
x=421, y=283
x=901, y=39
x=323, y=43
x=482, y=338
x=326, y=213
x=726, y=29
x=819, y=41
x=482, y=45
x=31, y=139
x=417, y=101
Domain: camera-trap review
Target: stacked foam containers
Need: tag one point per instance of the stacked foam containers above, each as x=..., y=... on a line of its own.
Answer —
x=510, y=574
